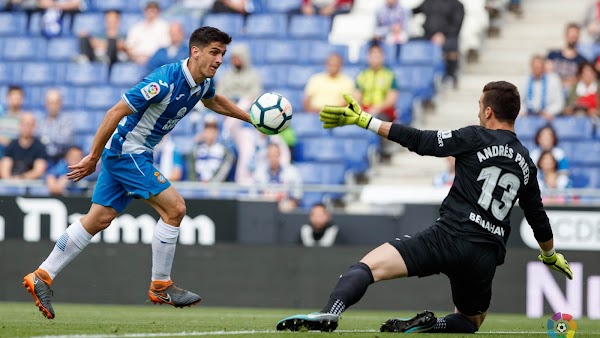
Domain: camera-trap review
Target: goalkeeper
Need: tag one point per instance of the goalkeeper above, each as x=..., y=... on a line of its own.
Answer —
x=468, y=241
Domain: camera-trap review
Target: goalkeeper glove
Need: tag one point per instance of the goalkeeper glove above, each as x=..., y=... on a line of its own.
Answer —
x=557, y=262
x=333, y=116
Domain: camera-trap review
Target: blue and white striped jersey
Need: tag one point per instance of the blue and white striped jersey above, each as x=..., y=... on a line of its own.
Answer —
x=163, y=98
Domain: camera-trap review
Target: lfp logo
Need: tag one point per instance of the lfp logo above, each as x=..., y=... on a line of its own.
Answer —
x=561, y=325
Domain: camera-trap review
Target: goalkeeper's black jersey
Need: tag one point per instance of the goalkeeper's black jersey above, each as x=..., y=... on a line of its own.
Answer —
x=493, y=171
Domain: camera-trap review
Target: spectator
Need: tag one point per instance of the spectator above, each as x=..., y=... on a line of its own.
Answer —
x=446, y=177
x=241, y=83
x=53, y=12
x=251, y=147
x=56, y=178
x=327, y=88
x=9, y=116
x=213, y=161
x=541, y=92
x=274, y=172
x=108, y=46
x=169, y=160
x=320, y=230
x=377, y=88
x=585, y=95
x=139, y=47
x=515, y=7
x=56, y=130
x=392, y=24
x=325, y=7
x=177, y=49
x=195, y=8
x=591, y=21
x=546, y=140
x=443, y=20
x=25, y=157
x=565, y=62
x=550, y=178
x=233, y=6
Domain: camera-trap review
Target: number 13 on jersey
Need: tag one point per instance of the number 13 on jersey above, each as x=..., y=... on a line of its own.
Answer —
x=491, y=178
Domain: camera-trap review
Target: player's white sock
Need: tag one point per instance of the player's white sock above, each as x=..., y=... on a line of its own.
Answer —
x=68, y=246
x=163, y=250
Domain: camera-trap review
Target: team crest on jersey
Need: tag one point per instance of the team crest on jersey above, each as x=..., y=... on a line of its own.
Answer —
x=150, y=91
x=181, y=112
x=159, y=177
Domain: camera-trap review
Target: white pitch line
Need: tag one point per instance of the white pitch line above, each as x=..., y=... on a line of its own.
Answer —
x=248, y=332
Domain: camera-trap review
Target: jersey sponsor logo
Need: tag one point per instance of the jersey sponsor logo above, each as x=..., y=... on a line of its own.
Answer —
x=179, y=96
x=163, y=83
x=442, y=135
x=159, y=177
x=150, y=91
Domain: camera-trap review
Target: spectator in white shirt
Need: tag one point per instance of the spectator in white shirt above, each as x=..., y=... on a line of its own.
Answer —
x=147, y=36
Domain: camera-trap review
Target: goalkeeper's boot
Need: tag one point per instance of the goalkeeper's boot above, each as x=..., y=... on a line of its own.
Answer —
x=38, y=284
x=319, y=321
x=168, y=293
x=422, y=322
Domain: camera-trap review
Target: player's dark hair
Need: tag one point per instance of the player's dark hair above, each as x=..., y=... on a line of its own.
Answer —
x=539, y=132
x=544, y=153
x=503, y=97
x=206, y=35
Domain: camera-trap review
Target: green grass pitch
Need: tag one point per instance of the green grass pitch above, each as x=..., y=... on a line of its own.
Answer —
x=111, y=321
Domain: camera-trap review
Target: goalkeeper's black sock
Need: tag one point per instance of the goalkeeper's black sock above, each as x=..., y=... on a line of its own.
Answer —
x=454, y=323
x=349, y=289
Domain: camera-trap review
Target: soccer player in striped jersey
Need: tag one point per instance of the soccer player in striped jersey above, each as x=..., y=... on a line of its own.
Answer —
x=125, y=141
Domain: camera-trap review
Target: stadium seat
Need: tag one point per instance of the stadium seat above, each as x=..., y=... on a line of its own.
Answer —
x=87, y=74
x=85, y=142
x=38, y=191
x=404, y=107
x=10, y=190
x=24, y=49
x=281, y=51
x=352, y=30
x=33, y=73
x=83, y=122
x=266, y=26
x=310, y=27
x=390, y=54
x=308, y=125
x=62, y=49
x=272, y=75
x=91, y=23
x=122, y=6
x=233, y=24
x=527, y=126
x=281, y=6
x=311, y=198
x=420, y=52
x=315, y=52
x=127, y=73
x=6, y=70
x=417, y=79
x=356, y=154
x=573, y=128
x=298, y=76
x=320, y=149
x=101, y=97
x=321, y=173
x=12, y=23
x=257, y=51
x=353, y=70
x=582, y=177
x=73, y=97
x=585, y=154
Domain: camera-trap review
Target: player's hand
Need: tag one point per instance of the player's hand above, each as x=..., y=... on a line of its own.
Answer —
x=333, y=116
x=557, y=262
x=82, y=169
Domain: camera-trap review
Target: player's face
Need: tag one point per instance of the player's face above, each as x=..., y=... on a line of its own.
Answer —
x=209, y=58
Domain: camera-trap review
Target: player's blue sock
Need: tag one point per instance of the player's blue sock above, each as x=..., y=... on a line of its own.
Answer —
x=349, y=289
x=454, y=323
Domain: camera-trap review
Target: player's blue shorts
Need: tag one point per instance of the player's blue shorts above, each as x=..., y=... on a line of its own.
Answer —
x=124, y=177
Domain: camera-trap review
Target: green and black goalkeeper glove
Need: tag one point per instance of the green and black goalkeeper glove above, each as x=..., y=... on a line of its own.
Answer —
x=557, y=262
x=333, y=116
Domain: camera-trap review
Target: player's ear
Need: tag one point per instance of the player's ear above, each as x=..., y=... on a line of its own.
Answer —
x=488, y=112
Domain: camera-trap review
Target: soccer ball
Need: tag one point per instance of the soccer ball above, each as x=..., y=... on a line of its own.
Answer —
x=561, y=327
x=271, y=113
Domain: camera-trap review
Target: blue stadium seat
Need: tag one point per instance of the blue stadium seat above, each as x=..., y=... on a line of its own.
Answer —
x=38, y=191
x=320, y=149
x=62, y=49
x=353, y=70
x=282, y=6
x=310, y=27
x=420, y=52
x=308, y=125
x=257, y=51
x=311, y=198
x=266, y=26
x=586, y=153
x=573, y=128
x=527, y=126
x=83, y=122
x=321, y=173
x=310, y=172
x=233, y=24
x=356, y=154
x=122, y=6
x=24, y=49
x=12, y=23
x=101, y=97
x=417, y=79
x=349, y=132
x=281, y=51
x=33, y=73
x=73, y=97
x=272, y=76
x=316, y=51
x=127, y=73
x=87, y=74
x=583, y=177
x=404, y=107
x=10, y=190
x=298, y=75
x=389, y=53
x=6, y=71
x=85, y=142
x=92, y=23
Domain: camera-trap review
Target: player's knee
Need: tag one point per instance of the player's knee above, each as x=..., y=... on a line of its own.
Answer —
x=177, y=213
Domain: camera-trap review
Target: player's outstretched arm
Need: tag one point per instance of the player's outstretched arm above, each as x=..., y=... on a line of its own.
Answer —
x=87, y=165
x=335, y=116
x=220, y=104
x=553, y=259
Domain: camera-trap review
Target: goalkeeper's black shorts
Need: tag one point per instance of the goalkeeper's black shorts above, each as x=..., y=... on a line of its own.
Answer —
x=470, y=266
